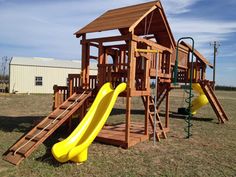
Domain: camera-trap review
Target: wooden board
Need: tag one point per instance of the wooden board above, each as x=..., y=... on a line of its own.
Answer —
x=115, y=134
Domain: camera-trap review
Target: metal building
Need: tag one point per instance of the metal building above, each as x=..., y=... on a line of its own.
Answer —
x=38, y=75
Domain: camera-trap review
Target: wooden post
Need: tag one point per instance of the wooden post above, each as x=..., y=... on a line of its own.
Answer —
x=146, y=115
x=87, y=65
x=71, y=85
x=105, y=68
x=203, y=72
x=69, y=125
x=100, y=62
x=132, y=65
x=128, y=116
x=84, y=61
x=167, y=107
x=55, y=105
x=130, y=87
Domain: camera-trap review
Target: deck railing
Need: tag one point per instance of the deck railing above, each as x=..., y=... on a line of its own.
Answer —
x=75, y=83
x=61, y=93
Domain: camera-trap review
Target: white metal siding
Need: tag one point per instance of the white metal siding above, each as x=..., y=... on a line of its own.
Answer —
x=22, y=78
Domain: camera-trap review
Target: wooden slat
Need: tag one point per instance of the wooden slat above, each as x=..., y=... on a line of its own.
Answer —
x=14, y=159
x=109, y=39
x=26, y=148
x=115, y=135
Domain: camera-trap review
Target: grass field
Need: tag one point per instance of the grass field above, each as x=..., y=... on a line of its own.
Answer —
x=211, y=151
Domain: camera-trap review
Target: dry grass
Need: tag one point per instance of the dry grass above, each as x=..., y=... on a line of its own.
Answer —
x=210, y=152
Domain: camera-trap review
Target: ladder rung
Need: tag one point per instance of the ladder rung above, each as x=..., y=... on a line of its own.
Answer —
x=14, y=159
x=25, y=148
x=28, y=137
x=65, y=107
x=41, y=127
x=152, y=113
x=55, y=116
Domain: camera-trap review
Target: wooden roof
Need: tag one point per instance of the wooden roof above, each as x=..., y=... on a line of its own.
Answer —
x=197, y=54
x=141, y=19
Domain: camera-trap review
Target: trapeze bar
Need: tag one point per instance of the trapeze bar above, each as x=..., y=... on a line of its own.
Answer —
x=146, y=51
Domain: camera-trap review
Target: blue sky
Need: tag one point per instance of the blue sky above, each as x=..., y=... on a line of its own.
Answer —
x=44, y=28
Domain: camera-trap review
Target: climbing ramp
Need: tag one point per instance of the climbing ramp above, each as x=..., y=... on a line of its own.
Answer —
x=30, y=141
x=207, y=89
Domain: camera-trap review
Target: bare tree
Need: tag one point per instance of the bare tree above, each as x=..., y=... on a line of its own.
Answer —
x=4, y=79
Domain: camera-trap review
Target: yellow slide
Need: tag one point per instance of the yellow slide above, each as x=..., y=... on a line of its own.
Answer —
x=200, y=101
x=75, y=146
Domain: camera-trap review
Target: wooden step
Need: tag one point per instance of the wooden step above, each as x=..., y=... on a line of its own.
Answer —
x=25, y=146
x=59, y=113
x=13, y=159
x=75, y=97
x=38, y=134
x=68, y=106
x=47, y=125
x=32, y=138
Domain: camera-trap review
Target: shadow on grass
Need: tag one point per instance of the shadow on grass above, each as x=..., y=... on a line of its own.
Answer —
x=18, y=124
x=24, y=124
x=61, y=133
x=118, y=111
x=47, y=157
x=175, y=115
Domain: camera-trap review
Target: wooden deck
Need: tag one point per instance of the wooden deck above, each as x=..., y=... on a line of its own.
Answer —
x=115, y=134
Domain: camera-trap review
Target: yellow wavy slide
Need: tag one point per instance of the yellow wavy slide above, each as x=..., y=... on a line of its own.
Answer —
x=75, y=146
x=200, y=101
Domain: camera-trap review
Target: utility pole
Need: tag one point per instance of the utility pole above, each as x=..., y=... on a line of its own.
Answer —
x=216, y=45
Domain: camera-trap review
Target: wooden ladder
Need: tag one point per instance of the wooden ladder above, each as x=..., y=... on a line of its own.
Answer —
x=30, y=141
x=161, y=97
x=151, y=113
x=206, y=87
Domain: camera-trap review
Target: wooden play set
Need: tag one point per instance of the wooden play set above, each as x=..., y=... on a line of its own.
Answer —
x=144, y=50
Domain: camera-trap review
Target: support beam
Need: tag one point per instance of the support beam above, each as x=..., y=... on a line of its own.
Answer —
x=84, y=58
x=109, y=39
x=87, y=66
x=127, y=122
x=167, y=118
x=151, y=43
x=132, y=65
x=146, y=51
x=130, y=87
x=146, y=114
x=100, y=61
